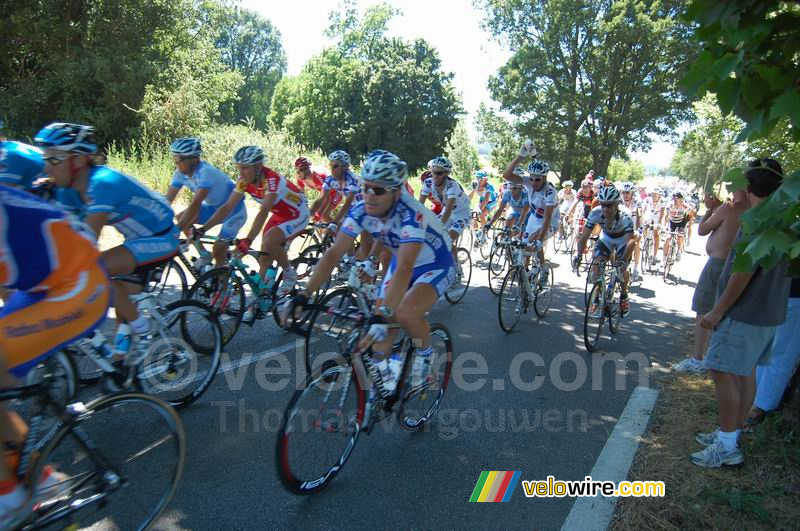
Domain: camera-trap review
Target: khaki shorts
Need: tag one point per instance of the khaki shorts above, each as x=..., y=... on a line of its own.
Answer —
x=737, y=347
x=706, y=291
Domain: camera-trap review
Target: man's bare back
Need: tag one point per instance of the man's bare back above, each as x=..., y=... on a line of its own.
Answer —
x=723, y=225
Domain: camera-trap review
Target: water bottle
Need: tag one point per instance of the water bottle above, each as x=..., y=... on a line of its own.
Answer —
x=255, y=279
x=101, y=345
x=267, y=283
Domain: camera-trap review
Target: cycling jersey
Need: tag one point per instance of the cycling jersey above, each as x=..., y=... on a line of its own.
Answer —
x=566, y=197
x=587, y=199
x=542, y=198
x=634, y=207
x=20, y=164
x=338, y=191
x=317, y=179
x=62, y=293
x=206, y=177
x=677, y=213
x=488, y=191
x=652, y=209
x=451, y=190
x=516, y=204
x=291, y=202
x=618, y=226
x=408, y=222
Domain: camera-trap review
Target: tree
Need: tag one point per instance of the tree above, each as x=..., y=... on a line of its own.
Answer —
x=621, y=170
x=462, y=153
x=370, y=91
x=251, y=45
x=500, y=134
x=596, y=75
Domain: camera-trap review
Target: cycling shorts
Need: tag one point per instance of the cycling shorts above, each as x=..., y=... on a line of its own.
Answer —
x=514, y=216
x=289, y=225
x=535, y=223
x=155, y=248
x=35, y=325
x=679, y=227
x=230, y=225
x=439, y=275
x=456, y=225
x=605, y=244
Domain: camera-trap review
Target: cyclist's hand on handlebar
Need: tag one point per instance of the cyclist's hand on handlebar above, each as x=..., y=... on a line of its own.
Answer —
x=367, y=270
x=378, y=331
x=196, y=233
x=243, y=245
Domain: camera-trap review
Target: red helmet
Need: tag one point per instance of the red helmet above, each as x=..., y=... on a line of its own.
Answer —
x=301, y=163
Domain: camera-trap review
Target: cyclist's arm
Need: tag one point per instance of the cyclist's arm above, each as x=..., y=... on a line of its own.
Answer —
x=585, y=235
x=484, y=202
x=222, y=212
x=318, y=204
x=190, y=214
x=172, y=193
x=422, y=198
x=497, y=214
x=325, y=205
x=348, y=200
x=404, y=267
x=523, y=215
x=448, y=210
x=266, y=206
x=708, y=224
x=324, y=268
x=96, y=222
x=509, y=174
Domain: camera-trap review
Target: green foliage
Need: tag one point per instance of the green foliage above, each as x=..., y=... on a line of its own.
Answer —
x=590, y=79
x=749, y=60
x=499, y=133
x=369, y=92
x=462, y=153
x=620, y=170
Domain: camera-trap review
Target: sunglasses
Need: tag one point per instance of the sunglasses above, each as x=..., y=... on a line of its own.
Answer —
x=377, y=190
x=180, y=158
x=607, y=205
x=537, y=178
x=55, y=159
x=335, y=166
x=439, y=173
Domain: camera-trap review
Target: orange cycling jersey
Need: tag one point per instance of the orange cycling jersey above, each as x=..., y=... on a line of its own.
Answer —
x=290, y=202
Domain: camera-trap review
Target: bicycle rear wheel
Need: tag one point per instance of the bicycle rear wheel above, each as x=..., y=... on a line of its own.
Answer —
x=497, y=264
x=320, y=429
x=221, y=289
x=594, y=318
x=458, y=289
x=122, y=457
x=420, y=404
x=167, y=283
x=614, y=310
x=544, y=293
x=512, y=300
x=183, y=358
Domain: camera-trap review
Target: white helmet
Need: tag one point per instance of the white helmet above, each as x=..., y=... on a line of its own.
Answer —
x=440, y=162
x=249, y=155
x=339, y=156
x=383, y=168
x=608, y=194
x=186, y=147
x=519, y=171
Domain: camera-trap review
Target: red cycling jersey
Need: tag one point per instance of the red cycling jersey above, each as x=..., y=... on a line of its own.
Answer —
x=291, y=201
x=317, y=178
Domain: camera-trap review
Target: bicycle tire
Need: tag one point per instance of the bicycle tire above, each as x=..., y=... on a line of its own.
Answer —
x=615, y=311
x=324, y=340
x=348, y=417
x=168, y=360
x=543, y=298
x=426, y=399
x=159, y=280
x=497, y=264
x=512, y=290
x=591, y=336
x=223, y=291
x=465, y=263
x=111, y=434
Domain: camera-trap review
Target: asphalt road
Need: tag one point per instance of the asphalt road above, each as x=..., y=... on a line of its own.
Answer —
x=489, y=419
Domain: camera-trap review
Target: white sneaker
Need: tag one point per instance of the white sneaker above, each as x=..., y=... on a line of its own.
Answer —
x=715, y=456
x=288, y=282
x=420, y=370
x=249, y=315
x=689, y=365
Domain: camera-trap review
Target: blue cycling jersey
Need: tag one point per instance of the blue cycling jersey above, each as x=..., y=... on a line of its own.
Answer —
x=207, y=177
x=489, y=190
x=133, y=209
x=408, y=222
x=20, y=164
x=516, y=204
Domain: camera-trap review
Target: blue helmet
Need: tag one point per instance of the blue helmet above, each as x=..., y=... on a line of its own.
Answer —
x=538, y=167
x=383, y=168
x=187, y=147
x=480, y=174
x=67, y=137
x=248, y=155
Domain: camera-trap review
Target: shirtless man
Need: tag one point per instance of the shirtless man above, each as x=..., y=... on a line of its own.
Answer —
x=721, y=223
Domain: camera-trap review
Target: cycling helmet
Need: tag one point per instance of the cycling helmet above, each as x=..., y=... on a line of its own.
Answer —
x=67, y=137
x=627, y=187
x=568, y=184
x=440, y=162
x=678, y=194
x=302, y=163
x=249, y=155
x=519, y=171
x=538, y=167
x=339, y=156
x=480, y=174
x=187, y=147
x=382, y=168
x=608, y=194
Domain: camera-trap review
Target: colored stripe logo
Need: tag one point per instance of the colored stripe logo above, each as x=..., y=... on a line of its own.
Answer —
x=495, y=486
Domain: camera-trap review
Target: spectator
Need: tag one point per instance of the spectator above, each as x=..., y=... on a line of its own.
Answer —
x=772, y=379
x=721, y=222
x=749, y=307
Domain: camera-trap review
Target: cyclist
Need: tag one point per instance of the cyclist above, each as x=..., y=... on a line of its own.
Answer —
x=102, y=196
x=306, y=177
x=340, y=185
x=584, y=198
x=516, y=197
x=61, y=294
x=210, y=188
x=616, y=234
x=20, y=164
x=678, y=214
x=630, y=200
x=565, y=196
x=694, y=206
x=487, y=198
x=543, y=201
x=421, y=269
x=277, y=195
x=445, y=191
x=653, y=217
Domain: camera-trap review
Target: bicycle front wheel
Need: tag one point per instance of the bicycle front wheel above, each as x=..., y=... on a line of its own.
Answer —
x=320, y=429
x=183, y=358
x=327, y=332
x=458, y=289
x=119, y=463
x=594, y=318
x=419, y=404
x=222, y=290
x=511, y=302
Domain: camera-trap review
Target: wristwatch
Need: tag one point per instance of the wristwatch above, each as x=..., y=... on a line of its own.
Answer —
x=386, y=311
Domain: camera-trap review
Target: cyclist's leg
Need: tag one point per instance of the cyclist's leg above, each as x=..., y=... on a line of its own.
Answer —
x=637, y=252
x=230, y=228
x=626, y=253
